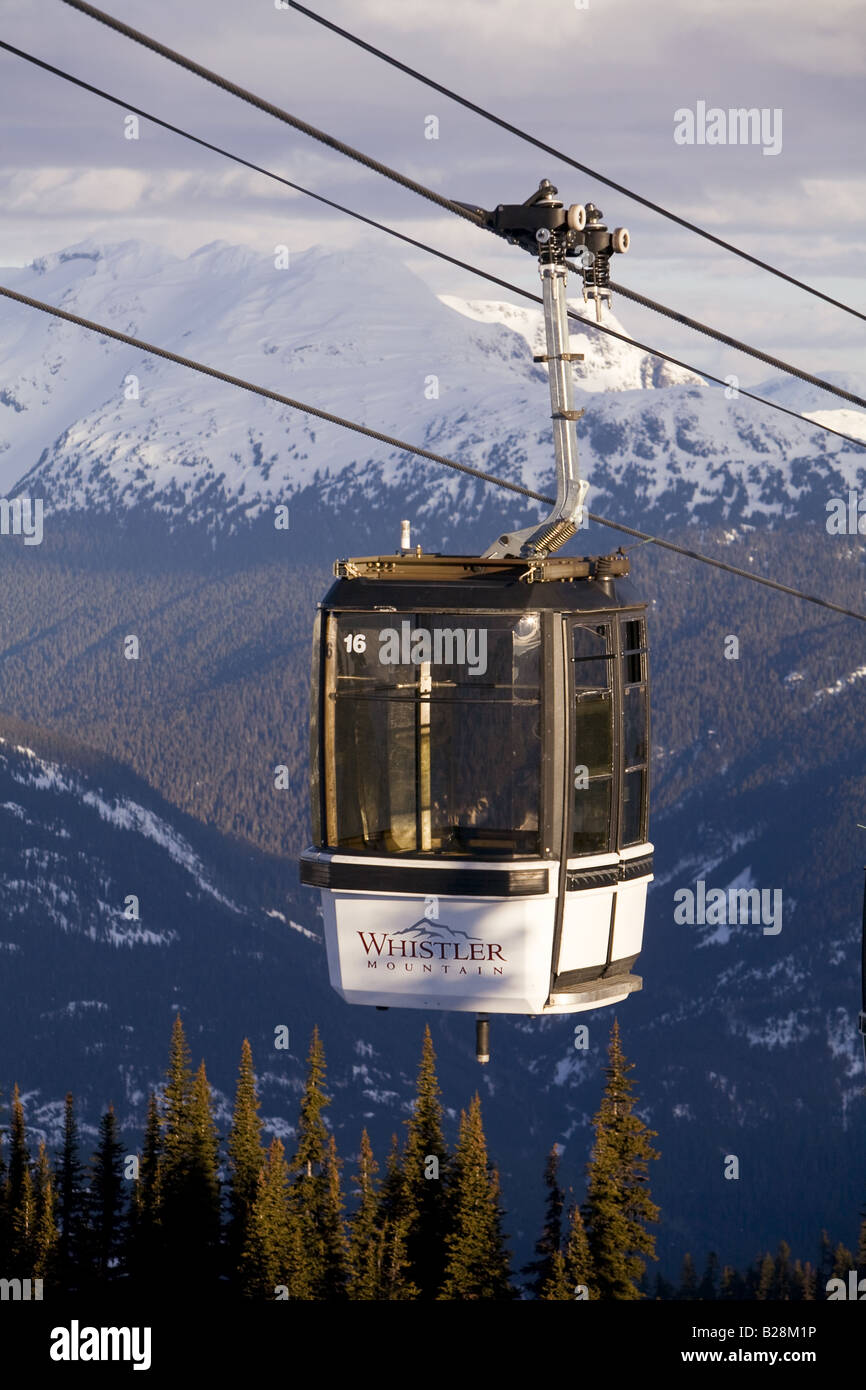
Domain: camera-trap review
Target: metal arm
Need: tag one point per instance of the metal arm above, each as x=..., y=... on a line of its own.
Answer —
x=544, y=227
x=567, y=514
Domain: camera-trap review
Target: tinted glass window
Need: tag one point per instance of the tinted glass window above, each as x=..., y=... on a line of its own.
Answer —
x=434, y=741
x=593, y=738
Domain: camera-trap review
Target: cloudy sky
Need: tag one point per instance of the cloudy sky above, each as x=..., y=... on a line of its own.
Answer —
x=602, y=83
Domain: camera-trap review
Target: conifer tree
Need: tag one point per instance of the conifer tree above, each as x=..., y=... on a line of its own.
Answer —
x=708, y=1290
x=201, y=1185
x=331, y=1227
x=365, y=1235
x=549, y=1243
x=429, y=1204
x=19, y=1193
x=843, y=1261
x=145, y=1229
x=105, y=1202
x=395, y=1277
x=266, y=1256
x=176, y=1116
x=825, y=1264
x=802, y=1282
x=70, y=1199
x=688, y=1279
x=555, y=1287
x=246, y=1155
x=22, y=1225
x=732, y=1285
x=315, y=1200
x=45, y=1233
x=312, y=1130
x=478, y=1264
x=782, y=1274
x=765, y=1276
x=578, y=1260
x=618, y=1204
x=861, y=1250
x=4, y=1227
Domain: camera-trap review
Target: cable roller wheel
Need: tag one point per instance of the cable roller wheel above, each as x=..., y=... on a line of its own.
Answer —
x=576, y=217
x=620, y=240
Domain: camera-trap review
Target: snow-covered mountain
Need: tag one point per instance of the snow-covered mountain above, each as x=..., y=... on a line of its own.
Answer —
x=88, y=423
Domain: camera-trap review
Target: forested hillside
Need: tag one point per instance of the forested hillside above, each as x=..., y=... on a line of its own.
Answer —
x=219, y=694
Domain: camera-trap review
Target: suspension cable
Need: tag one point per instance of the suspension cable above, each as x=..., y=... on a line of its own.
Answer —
x=404, y=447
x=494, y=279
x=559, y=154
x=271, y=110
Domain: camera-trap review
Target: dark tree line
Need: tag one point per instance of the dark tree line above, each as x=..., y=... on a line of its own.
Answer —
x=776, y=1278
x=270, y=1223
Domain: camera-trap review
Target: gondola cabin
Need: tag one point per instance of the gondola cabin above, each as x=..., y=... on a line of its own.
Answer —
x=479, y=754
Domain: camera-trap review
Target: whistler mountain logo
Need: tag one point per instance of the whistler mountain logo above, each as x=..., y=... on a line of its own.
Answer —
x=424, y=928
x=77, y=1343
x=432, y=944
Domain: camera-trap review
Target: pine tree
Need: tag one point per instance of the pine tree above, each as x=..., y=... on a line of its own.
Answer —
x=70, y=1199
x=312, y=1130
x=395, y=1277
x=708, y=1289
x=861, y=1250
x=802, y=1282
x=246, y=1156
x=176, y=1115
x=549, y=1243
x=426, y=1179
x=315, y=1200
x=825, y=1264
x=265, y=1258
x=843, y=1261
x=333, y=1232
x=145, y=1217
x=766, y=1274
x=782, y=1274
x=188, y=1177
x=4, y=1223
x=555, y=1287
x=19, y=1193
x=578, y=1261
x=45, y=1233
x=365, y=1236
x=732, y=1285
x=105, y=1202
x=618, y=1203
x=688, y=1279
x=201, y=1185
x=478, y=1264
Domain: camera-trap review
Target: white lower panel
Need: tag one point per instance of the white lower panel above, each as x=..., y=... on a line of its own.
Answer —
x=585, y=929
x=630, y=912
x=488, y=956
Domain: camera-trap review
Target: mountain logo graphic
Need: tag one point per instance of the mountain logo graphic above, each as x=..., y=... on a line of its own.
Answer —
x=423, y=930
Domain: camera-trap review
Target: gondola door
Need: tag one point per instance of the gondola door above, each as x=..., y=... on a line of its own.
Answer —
x=605, y=798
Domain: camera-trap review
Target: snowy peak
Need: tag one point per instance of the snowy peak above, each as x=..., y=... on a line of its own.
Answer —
x=608, y=365
x=92, y=425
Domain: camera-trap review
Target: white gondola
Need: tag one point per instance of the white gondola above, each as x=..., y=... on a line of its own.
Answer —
x=480, y=751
